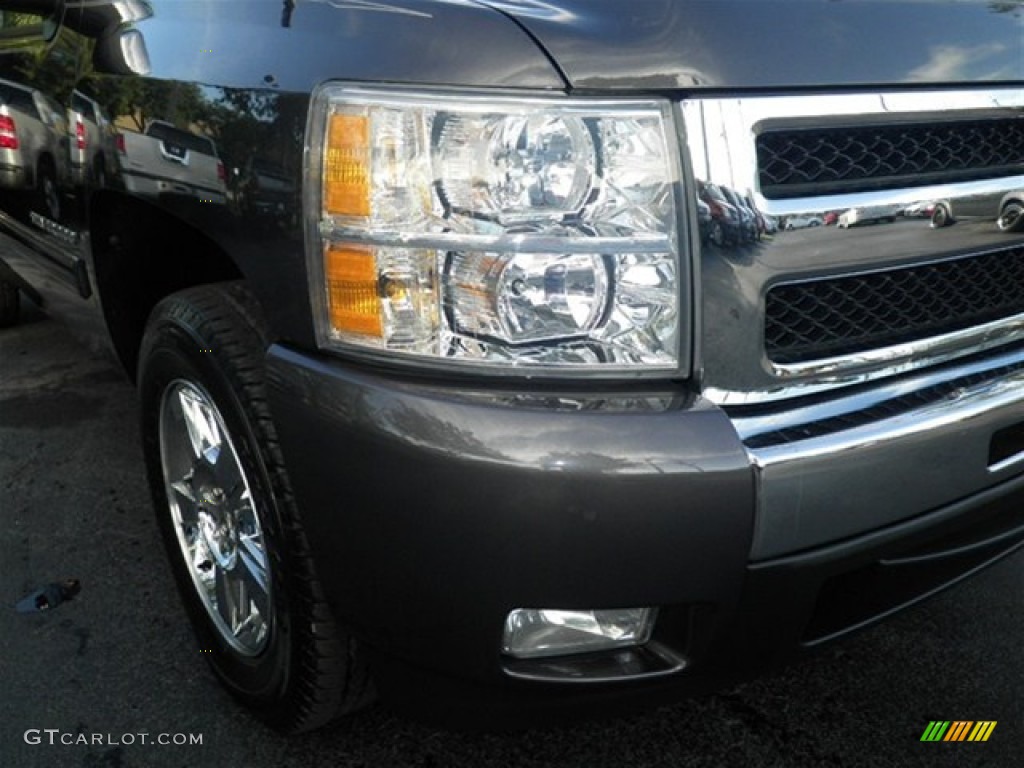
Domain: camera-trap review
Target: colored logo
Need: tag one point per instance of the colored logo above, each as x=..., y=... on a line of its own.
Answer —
x=958, y=730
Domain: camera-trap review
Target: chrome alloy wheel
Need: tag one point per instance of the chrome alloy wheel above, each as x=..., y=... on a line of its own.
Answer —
x=216, y=522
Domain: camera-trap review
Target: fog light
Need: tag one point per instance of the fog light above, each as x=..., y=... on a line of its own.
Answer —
x=532, y=633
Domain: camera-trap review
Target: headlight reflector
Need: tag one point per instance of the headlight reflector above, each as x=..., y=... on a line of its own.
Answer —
x=525, y=297
x=501, y=232
x=516, y=167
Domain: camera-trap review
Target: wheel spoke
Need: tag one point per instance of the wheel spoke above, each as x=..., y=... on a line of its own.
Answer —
x=243, y=612
x=201, y=425
x=232, y=601
x=238, y=498
x=204, y=569
x=184, y=489
x=226, y=472
x=253, y=561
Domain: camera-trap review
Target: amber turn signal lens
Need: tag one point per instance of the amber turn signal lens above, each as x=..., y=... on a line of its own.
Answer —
x=347, y=166
x=352, y=296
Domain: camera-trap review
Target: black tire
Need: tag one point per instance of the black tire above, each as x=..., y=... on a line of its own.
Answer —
x=300, y=669
x=717, y=234
x=941, y=217
x=47, y=190
x=1011, y=217
x=10, y=304
x=99, y=172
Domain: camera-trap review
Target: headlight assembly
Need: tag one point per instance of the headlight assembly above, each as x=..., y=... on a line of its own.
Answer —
x=528, y=235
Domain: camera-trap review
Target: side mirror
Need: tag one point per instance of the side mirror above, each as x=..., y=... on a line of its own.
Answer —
x=122, y=51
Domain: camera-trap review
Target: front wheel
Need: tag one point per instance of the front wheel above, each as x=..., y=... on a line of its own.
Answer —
x=227, y=516
x=941, y=217
x=1011, y=218
x=49, y=194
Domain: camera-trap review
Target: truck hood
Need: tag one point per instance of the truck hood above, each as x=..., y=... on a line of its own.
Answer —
x=670, y=44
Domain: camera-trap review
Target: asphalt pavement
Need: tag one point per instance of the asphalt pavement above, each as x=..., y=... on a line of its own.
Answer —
x=102, y=679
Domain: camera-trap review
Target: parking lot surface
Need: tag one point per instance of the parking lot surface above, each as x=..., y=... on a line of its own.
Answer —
x=101, y=679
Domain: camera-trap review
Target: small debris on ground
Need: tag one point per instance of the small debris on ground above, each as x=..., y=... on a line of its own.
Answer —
x=49, y=596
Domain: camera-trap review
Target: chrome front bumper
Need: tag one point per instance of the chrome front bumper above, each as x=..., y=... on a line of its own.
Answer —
x=829, y=471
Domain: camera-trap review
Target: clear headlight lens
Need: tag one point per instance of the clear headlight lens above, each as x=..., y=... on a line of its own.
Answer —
x=501, y=232
x=527, y=296
x=516, y=167
x=536, y=633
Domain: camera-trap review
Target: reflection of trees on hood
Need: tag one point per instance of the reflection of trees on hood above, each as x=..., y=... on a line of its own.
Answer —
x=50, y=69
x=241, y=119
x=14, y=19
x=142, y=101
x=236, y=119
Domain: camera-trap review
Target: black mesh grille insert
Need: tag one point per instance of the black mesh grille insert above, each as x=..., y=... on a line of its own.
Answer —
x=856, y=313
x=805, y=161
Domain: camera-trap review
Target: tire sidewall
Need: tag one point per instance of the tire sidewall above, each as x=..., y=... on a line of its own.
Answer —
x=49, y=194
x=1017, y=224
x=174, y=354
x=717, y=235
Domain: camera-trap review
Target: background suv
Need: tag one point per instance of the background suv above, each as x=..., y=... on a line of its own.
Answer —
x=33, y=145
x=92, y=150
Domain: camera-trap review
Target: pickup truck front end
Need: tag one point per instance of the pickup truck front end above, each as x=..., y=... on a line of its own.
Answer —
x=853, y=442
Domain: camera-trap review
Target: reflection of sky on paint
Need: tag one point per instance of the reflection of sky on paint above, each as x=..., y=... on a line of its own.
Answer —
x=954, y=63
x=526, y=8
x=369, y=5
x=534, y=9
x=681, y=43
x=185, y=31
x=958, y=41
x=190, y=31
x=957, y=45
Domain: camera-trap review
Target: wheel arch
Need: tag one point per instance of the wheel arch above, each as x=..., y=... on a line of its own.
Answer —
x=142, y=253
x=45, y=161
x=1017, y=196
